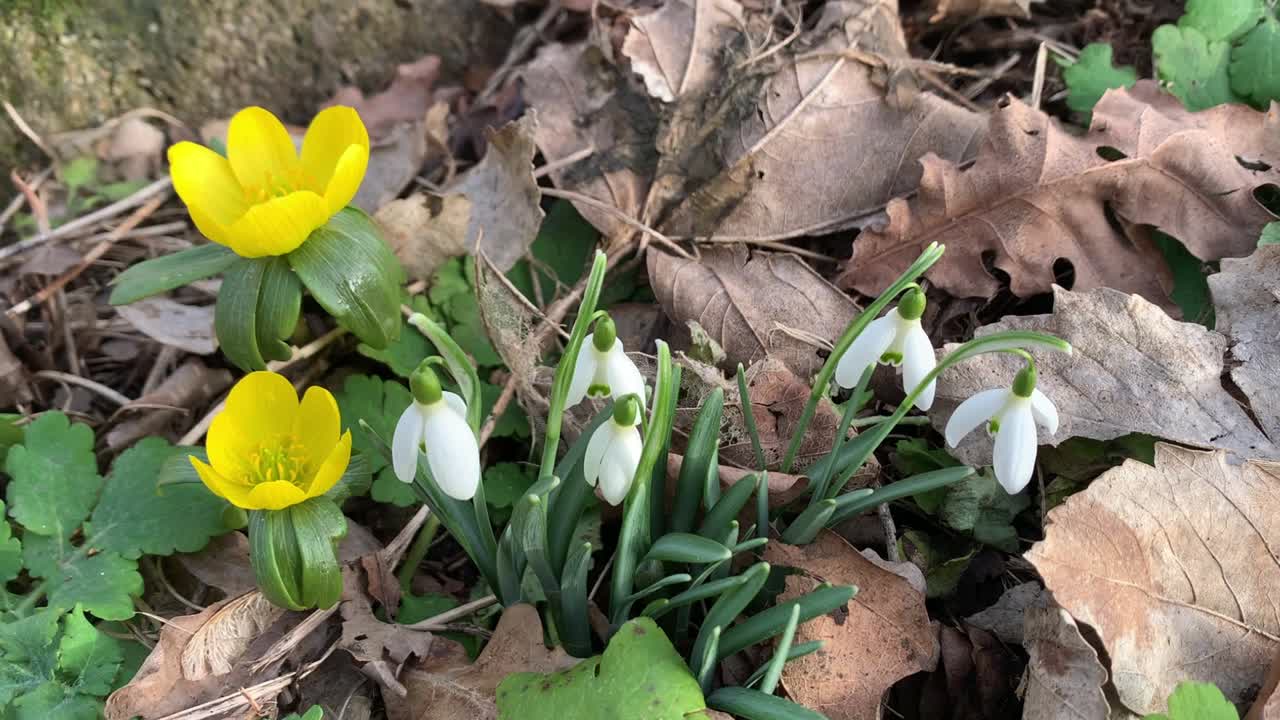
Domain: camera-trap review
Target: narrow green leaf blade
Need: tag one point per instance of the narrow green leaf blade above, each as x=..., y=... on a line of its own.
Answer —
x=165, y=273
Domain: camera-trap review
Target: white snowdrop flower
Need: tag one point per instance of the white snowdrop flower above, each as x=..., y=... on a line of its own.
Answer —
x=437, y=421
x=603, y=369
x=895, y=339
x=1011, y=415
x=614, y=451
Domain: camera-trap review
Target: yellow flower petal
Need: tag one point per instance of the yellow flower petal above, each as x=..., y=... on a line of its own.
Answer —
x=214, y=480
x=205, y=182
x=260, y=151
x=276, y=495
x=210, y=228
x=331, y=470
x=330, y=165
x=229, y=447
x=261, y=406
x=318, y=424
x=346, y=179
x=278, y=226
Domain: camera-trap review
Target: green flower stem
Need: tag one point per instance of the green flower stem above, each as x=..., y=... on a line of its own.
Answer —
x=996, y=342
x=418, y=551
x=926, y=260
x=564, y=370
x=633, y=538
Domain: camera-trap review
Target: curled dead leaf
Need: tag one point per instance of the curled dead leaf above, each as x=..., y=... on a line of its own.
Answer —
x=881, y=637
x=1245, y=295
x=192, y=385
x=1038, y=193
x=1064, y=676
x=1132, y=369
x=222, y=564
x=219, y=642
x=424, y=231
x=748, y=301
x=186, y=327
x=1174, y=567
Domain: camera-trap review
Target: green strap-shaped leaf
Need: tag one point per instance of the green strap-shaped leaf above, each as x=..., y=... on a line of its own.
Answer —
x=755, y=705
x=279, y=305
x=170, y=271
x=353, y=274
x=703, y=440
x=319, y=525
x=235, y=317
x=687, y=548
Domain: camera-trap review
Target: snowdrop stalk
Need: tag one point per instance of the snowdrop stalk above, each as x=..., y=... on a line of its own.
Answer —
x=931, y=255
x=564, y=370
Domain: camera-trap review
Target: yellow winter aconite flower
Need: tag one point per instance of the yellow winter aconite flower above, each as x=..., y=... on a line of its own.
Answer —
x=262, y=198
x=267, y=451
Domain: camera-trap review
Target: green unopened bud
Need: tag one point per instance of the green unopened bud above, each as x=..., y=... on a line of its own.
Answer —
x=425, y=384
x=1025, y=381
x=626, y=411
x=911, y=307
x=605, y=333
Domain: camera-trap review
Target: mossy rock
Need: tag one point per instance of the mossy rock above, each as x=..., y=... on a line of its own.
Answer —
x=71, y=64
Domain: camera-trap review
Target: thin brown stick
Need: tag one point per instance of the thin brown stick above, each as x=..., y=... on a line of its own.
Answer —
x=625, y=218
x=564, y=162
x=449, y=616
x=159, y=187
x=26, y=130
x=85, y=383
x=499, y=407
x=90, y=257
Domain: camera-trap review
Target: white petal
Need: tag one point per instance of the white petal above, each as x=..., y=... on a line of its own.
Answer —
x=456, y=403
x=1044, y=411
x=614, y=483
x=917, y=360
x=404, y=443
x=452, y=453
x=1014, y=457
x=624, y=377
x=583, y=373
x=973, y=412
x=597, y=446
x=618, y=467
x=865, y=350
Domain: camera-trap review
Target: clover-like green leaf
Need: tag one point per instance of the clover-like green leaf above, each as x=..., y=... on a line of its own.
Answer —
x=135, y=517
x=1255, y=63
x=1193, y=67
x=639, y=677
x=1197, y=701
x=87, y=658
x=55, y=665
x=103, y=583
x=1222, y=19
x=379, y=403
x=1092, y=75
x=10, y=551
x=55, y=476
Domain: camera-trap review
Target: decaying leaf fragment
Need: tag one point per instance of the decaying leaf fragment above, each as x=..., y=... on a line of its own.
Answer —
x=753, y=304
x=1246, y=295
x=965, y=9
x=881, y=637
x=222, y=640
x=1038, y=193
x=1064, y=676
x=1132, y=369
x=1174, y=566
x=713, y=133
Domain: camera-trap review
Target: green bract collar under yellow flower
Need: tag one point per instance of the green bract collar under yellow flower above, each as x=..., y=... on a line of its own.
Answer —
x=262, y=198
x=267, y=451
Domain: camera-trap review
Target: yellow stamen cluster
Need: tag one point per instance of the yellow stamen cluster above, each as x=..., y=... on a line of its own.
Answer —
x=283, y=460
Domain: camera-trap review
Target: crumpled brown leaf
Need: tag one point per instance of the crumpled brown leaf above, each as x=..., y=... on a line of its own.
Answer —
x=883, y=635
x=1267, y=706
x=1132, y=369
x=505, y=210
x=405, y=100
x=219, y=642
x=191, y=385
x=753, y=304
x=1005, y=619
x=1064, y=676
x=159, y=687
x=965, y=9
x=731, y=130
x=1038, y=193
x=15, y=381
x=1245, y=295
x=444, y=686
x=222, y=564
x=1174, y=567
x=424, y=230
x=186, y=327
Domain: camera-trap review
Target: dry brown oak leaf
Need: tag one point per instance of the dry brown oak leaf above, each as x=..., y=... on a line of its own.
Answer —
x=1133, y=369
x=1175, y=567
x=706, y=125
x=1039, y=193
x=880, y=637
x=1064, y=677
x=1246, y=295
x=754, y=304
